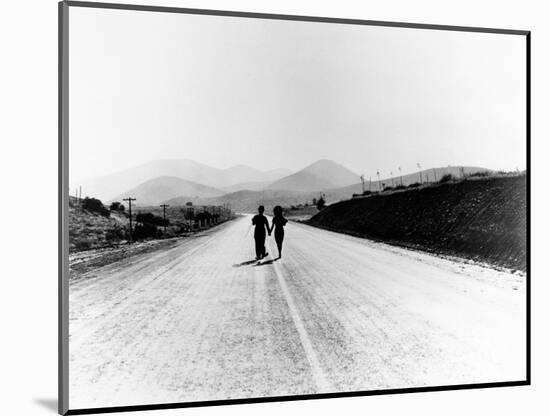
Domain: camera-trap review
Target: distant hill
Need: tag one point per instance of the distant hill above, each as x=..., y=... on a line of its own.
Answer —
x=483, y=219
x=158, y=190
x=323, y=174
x=245, y=186
x=276, y=174
x=248, y=201
x=242, y=174
x=111, y=186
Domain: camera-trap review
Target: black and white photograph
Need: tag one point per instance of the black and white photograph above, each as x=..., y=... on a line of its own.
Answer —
x=261, y=208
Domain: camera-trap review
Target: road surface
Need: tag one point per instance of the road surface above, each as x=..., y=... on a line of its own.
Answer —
x=202, y=321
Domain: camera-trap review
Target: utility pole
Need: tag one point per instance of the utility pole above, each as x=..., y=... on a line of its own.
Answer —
x=435, y=176
x=130, y=199
x=80, y=193
x=363, y=182
x=164, y=206
x=420, y=172
x=400, y=176
x=391, y=175
x=379, y=185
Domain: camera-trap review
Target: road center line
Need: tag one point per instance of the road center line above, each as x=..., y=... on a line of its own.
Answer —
x=318, y=376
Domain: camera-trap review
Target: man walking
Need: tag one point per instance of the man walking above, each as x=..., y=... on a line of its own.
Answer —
x=261, y=226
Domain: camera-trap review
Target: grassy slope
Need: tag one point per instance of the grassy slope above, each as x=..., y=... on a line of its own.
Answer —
x=482, y=219
x=90, y=230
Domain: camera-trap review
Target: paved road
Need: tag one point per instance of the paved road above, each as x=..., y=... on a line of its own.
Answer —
x=201, y=321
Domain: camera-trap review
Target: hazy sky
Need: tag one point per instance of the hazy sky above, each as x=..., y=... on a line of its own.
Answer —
x=226, y=91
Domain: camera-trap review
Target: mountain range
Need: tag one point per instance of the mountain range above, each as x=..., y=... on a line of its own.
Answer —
x=112, y=186
x=157, y=190
x=177, y=182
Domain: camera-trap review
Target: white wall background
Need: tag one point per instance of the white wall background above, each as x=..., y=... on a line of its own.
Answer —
x=28, y=231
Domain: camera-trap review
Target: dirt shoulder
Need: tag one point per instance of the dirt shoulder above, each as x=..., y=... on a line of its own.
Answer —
x=83, y=262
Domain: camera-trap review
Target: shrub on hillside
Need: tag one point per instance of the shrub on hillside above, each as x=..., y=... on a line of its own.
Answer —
x=446, y=178
x=146, y=230
x=397, y=187
x=188, y=213
x=150, y=218
x=202, y=216
x=115, y=234
x=82, y=244
x=321, y=203
x=95, y=205
x=414, y=185
x=116, y=206
x=483, y=174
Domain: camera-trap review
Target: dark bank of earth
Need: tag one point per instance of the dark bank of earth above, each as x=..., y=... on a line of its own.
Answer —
x=483, y=219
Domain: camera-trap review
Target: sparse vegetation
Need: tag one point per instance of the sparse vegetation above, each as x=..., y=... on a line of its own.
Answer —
x=414, y=185
x=90, y=230
x=149, y=218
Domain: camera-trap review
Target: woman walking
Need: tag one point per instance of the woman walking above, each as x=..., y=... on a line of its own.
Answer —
x=278, y=223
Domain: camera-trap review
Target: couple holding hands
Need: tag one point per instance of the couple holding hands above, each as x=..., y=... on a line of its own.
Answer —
x=261, y=227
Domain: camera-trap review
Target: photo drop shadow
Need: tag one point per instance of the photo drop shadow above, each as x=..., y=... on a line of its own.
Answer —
x=49, y=404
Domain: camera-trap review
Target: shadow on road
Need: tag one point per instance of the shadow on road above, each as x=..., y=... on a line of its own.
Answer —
x=245, y=263
x=265, y=263
x=255, y=263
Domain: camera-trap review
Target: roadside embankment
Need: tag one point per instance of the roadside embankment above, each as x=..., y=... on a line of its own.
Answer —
x=480, y=219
